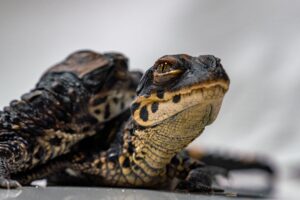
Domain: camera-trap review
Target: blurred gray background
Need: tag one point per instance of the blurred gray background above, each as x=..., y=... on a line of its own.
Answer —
x=258, y=42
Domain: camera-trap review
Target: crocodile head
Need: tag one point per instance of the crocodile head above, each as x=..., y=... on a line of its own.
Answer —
x=177, y=83
x=111, y=87
x=176, y=99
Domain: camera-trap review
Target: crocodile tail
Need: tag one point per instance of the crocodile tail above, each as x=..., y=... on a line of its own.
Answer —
x=233, y=161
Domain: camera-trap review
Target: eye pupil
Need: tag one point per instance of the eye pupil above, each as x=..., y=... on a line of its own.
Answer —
x=163, y=67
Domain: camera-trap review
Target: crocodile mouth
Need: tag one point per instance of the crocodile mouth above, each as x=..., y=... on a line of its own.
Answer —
x=157, y=110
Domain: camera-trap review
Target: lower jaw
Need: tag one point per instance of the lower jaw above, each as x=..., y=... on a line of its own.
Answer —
x=174, y=134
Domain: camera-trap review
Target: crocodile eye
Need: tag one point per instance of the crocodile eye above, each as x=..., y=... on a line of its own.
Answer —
x=165, y=72
x=163, y=67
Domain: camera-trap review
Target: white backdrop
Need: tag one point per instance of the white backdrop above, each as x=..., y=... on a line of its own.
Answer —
x=258, y=42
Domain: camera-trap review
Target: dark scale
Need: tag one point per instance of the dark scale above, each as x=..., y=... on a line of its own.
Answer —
x=57, y=87
x=55, y=141
x=107, y=111
x=144, y=113
x=113, y=156
x=126, y=163
x=154, y=107
x=40, y=154
x=115, y=100
x=122, y=105
x=130, y=148
x=176, y=98
x=160, y=94
x=175, y=161
x=99, y=101
x=29, y=97
x=134, y=107
x=97, y=112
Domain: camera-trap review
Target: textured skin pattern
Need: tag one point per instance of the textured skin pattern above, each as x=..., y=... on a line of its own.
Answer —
x=56, y=115
x=151, y=155
x=176, y=99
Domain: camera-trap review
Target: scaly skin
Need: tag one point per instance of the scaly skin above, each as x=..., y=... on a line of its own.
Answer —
x=172, y=108
x=70, y=102
x=176, y=99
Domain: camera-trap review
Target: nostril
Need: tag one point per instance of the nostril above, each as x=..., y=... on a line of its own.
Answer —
x=209, y=62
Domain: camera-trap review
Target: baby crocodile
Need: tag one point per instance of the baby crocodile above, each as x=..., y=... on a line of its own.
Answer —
x=71, y=101
x=176, y=99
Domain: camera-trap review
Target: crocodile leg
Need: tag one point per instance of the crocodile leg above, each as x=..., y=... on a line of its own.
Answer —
x=197, y=177
x=193, y=175
x=5, y=181
x=116, y=168
x=12, y=148
x=55, y=171
x=37, y=128
x=40, y=172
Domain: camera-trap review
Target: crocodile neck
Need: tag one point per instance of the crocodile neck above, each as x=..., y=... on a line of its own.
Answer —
x=156, y=146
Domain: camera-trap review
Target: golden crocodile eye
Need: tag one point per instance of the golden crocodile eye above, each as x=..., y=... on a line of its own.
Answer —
x=163, y=67
x=165, y=73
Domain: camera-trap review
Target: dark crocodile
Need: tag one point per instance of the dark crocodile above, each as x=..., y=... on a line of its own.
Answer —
x=145, y=147
x=72, y=101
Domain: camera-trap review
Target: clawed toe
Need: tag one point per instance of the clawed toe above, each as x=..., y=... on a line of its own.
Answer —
x=197, y=187
x=200, y=180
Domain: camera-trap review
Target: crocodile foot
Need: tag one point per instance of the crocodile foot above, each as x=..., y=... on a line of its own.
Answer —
x=9, y=184
x=200, y=181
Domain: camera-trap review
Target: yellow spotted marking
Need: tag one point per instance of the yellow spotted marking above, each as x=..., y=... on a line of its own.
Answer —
x=188, y=97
